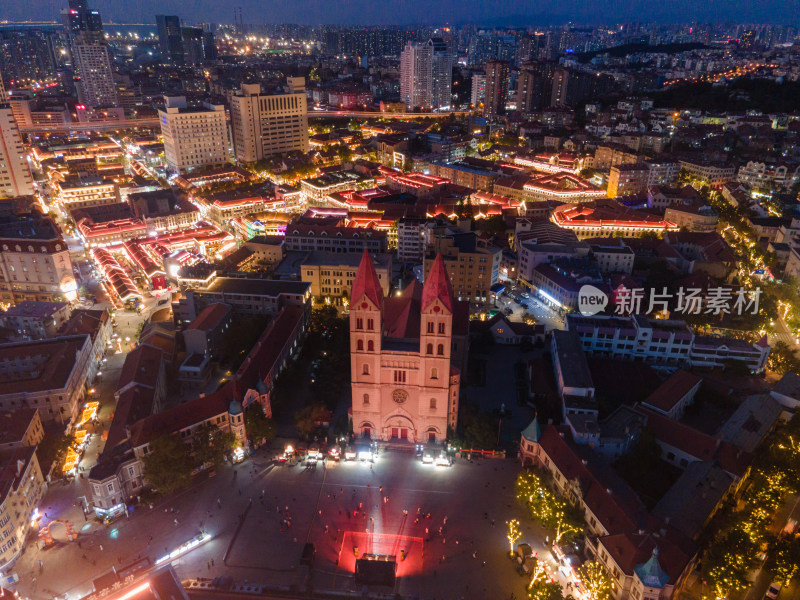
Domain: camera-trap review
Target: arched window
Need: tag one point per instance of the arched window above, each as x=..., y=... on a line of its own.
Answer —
x=366, y=399
x=440, y=349
x=370, y=324
x=434, y=373
x=430, y=327
x=430, y=349
x=370, y=345
x=360, y=345
x=433, y=403
x=366, y=369
x=441, y=328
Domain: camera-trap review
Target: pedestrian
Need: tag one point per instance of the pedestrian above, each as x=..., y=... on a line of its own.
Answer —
x=426, y=531
x=208, y=566
x=212, y=562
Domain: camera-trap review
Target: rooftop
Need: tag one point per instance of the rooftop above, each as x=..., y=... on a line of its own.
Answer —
x=572, y=359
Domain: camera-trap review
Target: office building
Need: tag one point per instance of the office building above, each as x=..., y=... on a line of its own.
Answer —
x=86, y=192
x=426, y=74
x=34, y=261
x=169, y=39
x=331, y=274
x=264, y=124
x=496, y=88
x=91, y=58
x=15, y=174
x=194, y=137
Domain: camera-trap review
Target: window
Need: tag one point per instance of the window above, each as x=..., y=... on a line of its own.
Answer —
x=441, y=328
x=430, y=327
x=399, y=376
x=370, y=345
x=440, y=349
x=434, y=373
x=366, y=369
x=370, y=324
x=433, y=403
x=429, y=349
x=359, y=323
x=110, y=487
x=366, y=399
x=360, y=345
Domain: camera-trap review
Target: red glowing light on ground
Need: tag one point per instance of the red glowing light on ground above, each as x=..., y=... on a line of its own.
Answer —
x=385, y=544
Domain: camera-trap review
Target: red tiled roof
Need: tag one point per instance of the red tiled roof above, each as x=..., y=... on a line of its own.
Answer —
x=696, y=443
x=210, y=317
x=141, y=367
x=261, y=360
x=677, y=385
x=632, y=549
x=619, y=510
x=182, y=416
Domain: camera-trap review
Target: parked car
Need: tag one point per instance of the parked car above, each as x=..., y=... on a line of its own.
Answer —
x=773, y=590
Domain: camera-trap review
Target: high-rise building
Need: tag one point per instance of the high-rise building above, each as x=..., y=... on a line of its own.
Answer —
x=192, y=46
x=170, y=40
x=496, y=88
x=403, y=357
x=478, y=93
x=15, y=174
x=91, y=58
x=209, y=46
x=570, y=87
x=535, y=86
x=426, y=74
x=194, y=137
x=27, y=57
x=266, y=124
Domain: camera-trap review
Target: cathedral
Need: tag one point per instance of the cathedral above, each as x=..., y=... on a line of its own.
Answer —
x=406, y=355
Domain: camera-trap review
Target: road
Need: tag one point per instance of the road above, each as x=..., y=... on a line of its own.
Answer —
x=784, y=334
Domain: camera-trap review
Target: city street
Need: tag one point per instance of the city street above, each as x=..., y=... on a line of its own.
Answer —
x=334, y=507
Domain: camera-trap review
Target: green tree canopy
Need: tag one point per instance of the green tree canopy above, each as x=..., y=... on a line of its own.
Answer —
x=168, y=466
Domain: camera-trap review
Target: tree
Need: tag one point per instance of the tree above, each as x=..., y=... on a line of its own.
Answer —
x=782, y=359
x=168, y=466
x=306, y=418
x=259, y=428
x=53, y=449
x=727, y=562
x=210, y=445
x=596, y=579
x=514, y=534
x=785, y=558
x=546, y=590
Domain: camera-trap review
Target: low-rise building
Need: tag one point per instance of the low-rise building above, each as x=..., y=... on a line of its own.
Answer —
x=77, y=192
x=667, y=343
x=203, y=336
x=676, y=393
x=472, y=264
x=246, y=296
x=49, y=375
x=317, y=189
x=34, y=261
x=333, y=238
x=22, y=487
x=604, y=218
x=163, y=210
x=331, y=274
x=97, y=325
x=20, y=428
x=35, y=320
x=713, y=174
x=627, y=179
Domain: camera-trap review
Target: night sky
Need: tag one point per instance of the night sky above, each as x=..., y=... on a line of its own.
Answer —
x=400, y=12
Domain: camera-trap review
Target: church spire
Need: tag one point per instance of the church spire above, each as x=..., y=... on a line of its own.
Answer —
x=366, y=282
x=437, y=285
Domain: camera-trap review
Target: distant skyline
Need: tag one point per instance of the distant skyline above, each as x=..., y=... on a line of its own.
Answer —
x=427, y=12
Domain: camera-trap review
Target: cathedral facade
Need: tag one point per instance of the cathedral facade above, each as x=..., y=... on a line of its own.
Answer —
x=404, y=378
